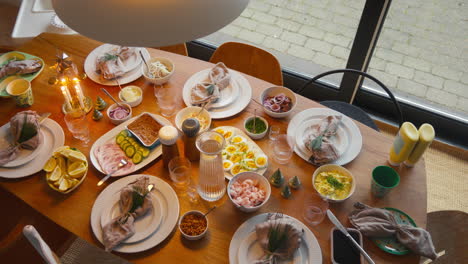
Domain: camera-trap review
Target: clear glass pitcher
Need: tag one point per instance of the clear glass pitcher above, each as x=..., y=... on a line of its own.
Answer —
x=211, y=185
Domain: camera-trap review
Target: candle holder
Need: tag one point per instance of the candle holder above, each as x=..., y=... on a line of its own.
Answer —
x=68, y=79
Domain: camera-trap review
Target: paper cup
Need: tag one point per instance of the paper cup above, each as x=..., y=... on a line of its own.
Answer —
x=384, y=179
x=21, y=91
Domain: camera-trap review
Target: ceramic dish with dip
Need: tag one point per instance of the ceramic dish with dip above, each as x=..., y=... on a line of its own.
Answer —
x=131, y=95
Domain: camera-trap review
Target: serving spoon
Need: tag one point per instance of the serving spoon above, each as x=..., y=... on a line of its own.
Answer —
x=111, y=97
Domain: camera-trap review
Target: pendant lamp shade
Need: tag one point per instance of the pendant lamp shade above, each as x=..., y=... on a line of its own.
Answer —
x=147, y=23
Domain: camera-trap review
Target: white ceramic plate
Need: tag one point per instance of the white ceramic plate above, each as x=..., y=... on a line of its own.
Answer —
x=144, y=225
x=349, y=132
x=250, y=251
x=169, y=207
x=24, y=155
x=134, y=71
x=244, y=246
x=340, y=140
x=110, y=137
x=233, y=99
x=53, y=138
x=253, y=146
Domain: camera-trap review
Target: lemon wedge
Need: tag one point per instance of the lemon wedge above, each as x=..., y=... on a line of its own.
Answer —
x=56, y=174
x=77, y=169
x=50, y=165
x=64, y=185
x=76, y=156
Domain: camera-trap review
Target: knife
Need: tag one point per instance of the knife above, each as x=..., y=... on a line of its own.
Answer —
x=337, y=223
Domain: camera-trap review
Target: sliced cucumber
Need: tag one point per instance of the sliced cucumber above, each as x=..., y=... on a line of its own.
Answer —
x=130, y=151
x=144, y=151
x=124, y=133
x=119, y=139
x=137, y=157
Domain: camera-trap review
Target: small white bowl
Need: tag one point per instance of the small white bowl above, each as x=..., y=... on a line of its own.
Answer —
x=184, y=114
x=340, y=169
x=132, y=103
x=253, y=135
x=119, y=121
x=262, y=181
x=193, y=237
x=275, y=90
x=159, y=81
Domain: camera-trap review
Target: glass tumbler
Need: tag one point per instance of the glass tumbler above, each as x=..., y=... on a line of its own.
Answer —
x=78, y=125
x=283, y=149
x=314, y=209
x=180, y=172
x=166, y=100
x=211, y=185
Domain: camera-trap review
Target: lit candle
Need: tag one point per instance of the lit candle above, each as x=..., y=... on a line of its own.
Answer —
x=79, y=92
x=66, y=96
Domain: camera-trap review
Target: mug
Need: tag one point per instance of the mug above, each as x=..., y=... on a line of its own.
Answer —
x=384, y=179
x=21, y=91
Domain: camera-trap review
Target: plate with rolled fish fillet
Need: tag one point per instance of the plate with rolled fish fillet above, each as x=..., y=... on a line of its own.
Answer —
x=135, y=213
x=225, y=92
x=290, y=241
x=324, y=136
x=112, y=64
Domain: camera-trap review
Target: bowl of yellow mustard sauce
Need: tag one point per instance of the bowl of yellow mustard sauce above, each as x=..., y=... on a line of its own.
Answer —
x=333, y=182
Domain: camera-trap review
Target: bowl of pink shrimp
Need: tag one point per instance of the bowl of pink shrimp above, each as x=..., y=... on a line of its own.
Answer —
x=278, y=101
x=249, y=191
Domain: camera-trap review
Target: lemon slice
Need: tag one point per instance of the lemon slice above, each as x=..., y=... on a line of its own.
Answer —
x=50, y=165
x=63, y=185
x=11, y=56
x=58, y=152
x=56, y=174
x=77, y=169
x=76, y=156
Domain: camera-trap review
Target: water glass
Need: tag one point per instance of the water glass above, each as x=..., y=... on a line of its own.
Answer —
x=77, y=124
x=314, y=209
x=181, y=176
x=283, y=149
x=180, y=172
x=274, y=133
x=166, y=100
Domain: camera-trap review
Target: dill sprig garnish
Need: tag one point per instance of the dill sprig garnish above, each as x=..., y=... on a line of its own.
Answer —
x=334, y=182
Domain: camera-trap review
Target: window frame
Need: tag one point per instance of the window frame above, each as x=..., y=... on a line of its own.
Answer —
x=449, y=128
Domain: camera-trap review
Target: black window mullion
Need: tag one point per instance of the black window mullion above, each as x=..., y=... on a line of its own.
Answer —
x=365, y=40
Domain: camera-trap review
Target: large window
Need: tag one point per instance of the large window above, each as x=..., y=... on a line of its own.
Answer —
x=416, y=48
x=422, y=54
x=307, y=36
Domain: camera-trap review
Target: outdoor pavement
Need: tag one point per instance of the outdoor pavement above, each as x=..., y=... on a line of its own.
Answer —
x=422, y=52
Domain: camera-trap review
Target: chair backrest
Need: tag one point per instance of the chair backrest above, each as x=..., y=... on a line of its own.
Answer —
x=365, y=74
x=180, y=49
x=249, y=60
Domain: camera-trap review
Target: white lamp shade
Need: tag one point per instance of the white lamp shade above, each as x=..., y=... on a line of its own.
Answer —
x=147, y=23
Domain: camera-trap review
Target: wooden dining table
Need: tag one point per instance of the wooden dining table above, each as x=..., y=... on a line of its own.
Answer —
x=72, y=211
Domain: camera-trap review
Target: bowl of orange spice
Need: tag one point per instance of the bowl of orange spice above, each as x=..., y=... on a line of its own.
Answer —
x=193, y=225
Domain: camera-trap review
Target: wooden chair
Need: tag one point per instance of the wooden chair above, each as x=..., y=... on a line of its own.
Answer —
x=249, y=60
x=449, y=231
x=180, y=49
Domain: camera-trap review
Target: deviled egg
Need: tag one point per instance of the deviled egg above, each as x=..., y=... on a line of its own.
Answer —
x=227, y=165
x=236, y=168
x=261, y=161
x=237, y=140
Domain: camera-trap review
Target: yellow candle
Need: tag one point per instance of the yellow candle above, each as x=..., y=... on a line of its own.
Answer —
x=66, y=96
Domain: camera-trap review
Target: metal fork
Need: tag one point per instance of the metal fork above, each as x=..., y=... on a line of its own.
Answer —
x=121, y=164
